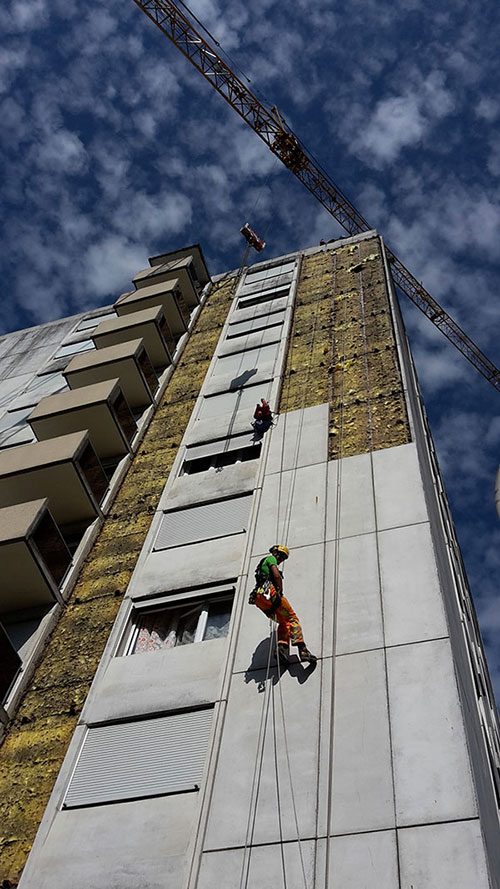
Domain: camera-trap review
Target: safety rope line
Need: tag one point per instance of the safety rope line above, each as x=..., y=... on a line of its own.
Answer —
x=257, y=775
x=298, y=441
x=289, y=767
x=336, y=570
x=276, y=772
x=377, y=551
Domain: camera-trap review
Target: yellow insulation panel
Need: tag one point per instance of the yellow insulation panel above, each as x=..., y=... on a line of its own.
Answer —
x=342, y=350
x=36, y=741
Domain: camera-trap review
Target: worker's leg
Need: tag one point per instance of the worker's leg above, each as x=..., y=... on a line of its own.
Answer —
x=289, y=628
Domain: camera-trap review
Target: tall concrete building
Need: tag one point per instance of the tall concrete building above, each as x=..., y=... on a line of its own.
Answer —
x=150, y=737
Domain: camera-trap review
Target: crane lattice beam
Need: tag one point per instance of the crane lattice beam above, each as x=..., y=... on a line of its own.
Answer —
x=275, y=132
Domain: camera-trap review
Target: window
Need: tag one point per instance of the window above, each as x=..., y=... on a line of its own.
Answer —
x=180, y=624
x=220, y=518
x=14, y=428
x=253, y=325
x=223, y=458
x=91, y=323
x=239, y=362
x=261, y=297
x=49, y=384
x=264, y=274
x=141, y=758
x=74, y=348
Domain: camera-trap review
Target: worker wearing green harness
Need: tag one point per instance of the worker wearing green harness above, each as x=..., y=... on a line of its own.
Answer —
x=268, y=596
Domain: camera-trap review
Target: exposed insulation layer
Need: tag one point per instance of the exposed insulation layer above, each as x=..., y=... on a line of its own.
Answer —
x=342, y=350
x=36, y=742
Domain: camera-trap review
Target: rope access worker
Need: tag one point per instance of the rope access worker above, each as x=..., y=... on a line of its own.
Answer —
x=263, y=417
x=268, y=596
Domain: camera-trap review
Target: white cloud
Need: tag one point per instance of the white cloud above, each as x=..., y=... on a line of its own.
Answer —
x=61, y=152
x=488, y=108
x=109, y=264
x=400, y=121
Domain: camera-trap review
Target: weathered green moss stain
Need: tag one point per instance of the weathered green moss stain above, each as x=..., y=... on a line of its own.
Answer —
x=36, y=742
x=342, y=350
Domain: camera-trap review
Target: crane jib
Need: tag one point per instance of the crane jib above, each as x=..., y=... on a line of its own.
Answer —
x=273, y=130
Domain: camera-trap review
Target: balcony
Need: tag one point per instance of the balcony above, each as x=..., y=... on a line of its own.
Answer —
x=100, y=408
x=195, y=252
x=149, y=324
x=33, y=557
x=167, y=295
x=65, y=470
x=128, y=362
x=181, y=269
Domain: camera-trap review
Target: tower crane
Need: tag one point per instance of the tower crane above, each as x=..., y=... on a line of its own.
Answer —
x=282, y=141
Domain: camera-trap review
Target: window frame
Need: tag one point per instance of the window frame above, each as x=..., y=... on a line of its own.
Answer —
x=209, y=595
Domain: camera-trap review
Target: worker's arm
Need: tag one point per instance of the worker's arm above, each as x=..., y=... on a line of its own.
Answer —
x=276, y=579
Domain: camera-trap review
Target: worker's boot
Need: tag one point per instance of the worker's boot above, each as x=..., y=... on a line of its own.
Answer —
x=305, y=654
x=283, y=654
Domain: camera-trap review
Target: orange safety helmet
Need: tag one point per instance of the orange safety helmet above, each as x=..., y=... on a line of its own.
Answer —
x=281, y=549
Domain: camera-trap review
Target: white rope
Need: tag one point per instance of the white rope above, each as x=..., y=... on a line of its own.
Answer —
x=257, y=774
x=289, y=769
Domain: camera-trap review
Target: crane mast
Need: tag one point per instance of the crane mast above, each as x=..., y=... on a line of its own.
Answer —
x=278, y=136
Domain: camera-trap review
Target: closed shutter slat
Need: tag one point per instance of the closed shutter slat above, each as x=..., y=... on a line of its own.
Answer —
x=204, y=522
x=145, y=758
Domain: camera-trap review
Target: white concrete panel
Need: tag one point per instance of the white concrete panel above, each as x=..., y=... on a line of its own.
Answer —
x=359, y=611
x=431, y=763
x=232, y=793
x=187, y=566
x=362, y=797
x=111, y=846
x=363, y=861
x=200, y=487
x=249, y=375
x=262, y=867
x=399, y=491
x=413, y=605
x=443, y=856
x=219, y=427
x=154, y=681
x=263, y=308
x=299, y=438
x=271, y=334
x=357, y=512
x=303, y=587
x=292, y=508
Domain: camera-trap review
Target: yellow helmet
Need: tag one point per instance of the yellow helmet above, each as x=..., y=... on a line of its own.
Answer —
x=281, y=549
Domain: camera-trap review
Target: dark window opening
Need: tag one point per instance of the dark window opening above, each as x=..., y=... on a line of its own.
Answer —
x=93, y=471
x=10, y=664
x=52, y=548
x=226, y=458
x=167, y=335
x=124, y=417
x=147, y=369
x=266, y=296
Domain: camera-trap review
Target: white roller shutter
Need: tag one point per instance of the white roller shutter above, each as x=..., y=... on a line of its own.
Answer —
x=204, y=522
x=145, y=758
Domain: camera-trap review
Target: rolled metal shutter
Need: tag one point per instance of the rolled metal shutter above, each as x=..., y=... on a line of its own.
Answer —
x=204, y=522
x=149, y=757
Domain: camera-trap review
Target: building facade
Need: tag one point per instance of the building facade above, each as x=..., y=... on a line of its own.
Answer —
x=150, y=737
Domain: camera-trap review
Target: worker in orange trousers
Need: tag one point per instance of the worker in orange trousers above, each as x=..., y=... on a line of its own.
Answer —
x=268, y=596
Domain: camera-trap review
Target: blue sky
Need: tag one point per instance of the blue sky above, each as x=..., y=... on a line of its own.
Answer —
x=114, y=149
